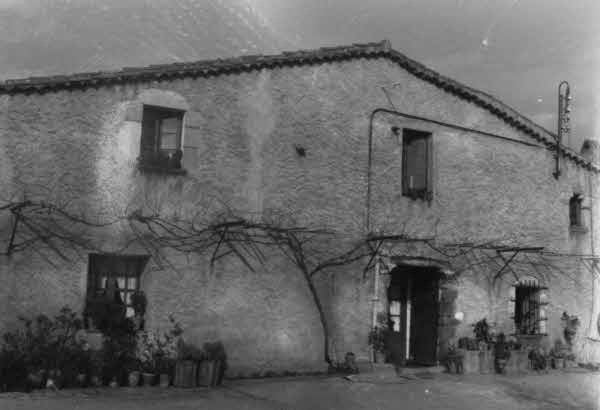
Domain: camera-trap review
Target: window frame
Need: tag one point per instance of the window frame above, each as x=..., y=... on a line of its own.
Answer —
x=158, y=158
x=94, y=275
x=531, y=293
x=426, y=193
x=575, y=207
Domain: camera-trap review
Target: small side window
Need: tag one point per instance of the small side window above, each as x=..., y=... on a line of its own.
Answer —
x=575, y=211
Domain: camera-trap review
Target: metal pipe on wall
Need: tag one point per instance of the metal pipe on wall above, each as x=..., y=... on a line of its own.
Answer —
x=418, y=118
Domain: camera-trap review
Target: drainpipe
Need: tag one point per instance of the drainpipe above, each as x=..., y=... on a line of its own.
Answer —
x=375, y=294
x=593, y=332
x=375, y=299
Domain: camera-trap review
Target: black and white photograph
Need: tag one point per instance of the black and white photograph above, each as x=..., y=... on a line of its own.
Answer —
x=299, y=204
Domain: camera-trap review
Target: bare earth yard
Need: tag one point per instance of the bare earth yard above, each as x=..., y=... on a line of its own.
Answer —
x=576, y=389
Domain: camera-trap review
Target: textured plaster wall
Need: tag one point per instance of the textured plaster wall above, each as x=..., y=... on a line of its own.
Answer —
x=239, y=149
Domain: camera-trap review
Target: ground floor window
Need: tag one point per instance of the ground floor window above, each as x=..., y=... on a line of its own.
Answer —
x=116, y=276
x=529, y=311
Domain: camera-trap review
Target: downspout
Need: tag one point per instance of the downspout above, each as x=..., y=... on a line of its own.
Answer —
x=375, y=299
x=591, y=332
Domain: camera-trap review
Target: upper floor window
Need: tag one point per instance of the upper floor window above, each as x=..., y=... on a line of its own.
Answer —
x=161, y=146
x=416, y=164
x=575, y=211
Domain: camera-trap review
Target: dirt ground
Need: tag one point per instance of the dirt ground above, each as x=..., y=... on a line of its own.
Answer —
x=563, y=390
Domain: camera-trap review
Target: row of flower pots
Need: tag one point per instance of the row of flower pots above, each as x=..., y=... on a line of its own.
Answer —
x=148, y=379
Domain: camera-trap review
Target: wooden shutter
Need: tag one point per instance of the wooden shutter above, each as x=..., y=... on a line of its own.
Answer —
x=415, y=163
x=150, y=118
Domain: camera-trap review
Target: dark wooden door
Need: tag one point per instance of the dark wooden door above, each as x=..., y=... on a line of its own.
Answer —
x=424, y=317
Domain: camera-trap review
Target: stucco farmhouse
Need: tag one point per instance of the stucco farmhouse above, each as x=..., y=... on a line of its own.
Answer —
x=283, y=203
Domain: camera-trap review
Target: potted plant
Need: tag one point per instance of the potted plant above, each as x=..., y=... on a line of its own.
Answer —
x=139, y=303
x=501, y=353
x=482, y=331
x=167, y=352
x=164, y=368
x=484, y=340
x=454, y=362
x=557, y=355
x=537, y=359
x=146, y=356
x=570, y=326
x=36, y=378
x=213, y=366
x=83, y=365
x=54, y=379
x=186, y=366
x=133, y=376
x=113, y=382
x=377, y=338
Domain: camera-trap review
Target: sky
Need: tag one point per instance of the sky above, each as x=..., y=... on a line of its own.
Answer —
x=517, y=50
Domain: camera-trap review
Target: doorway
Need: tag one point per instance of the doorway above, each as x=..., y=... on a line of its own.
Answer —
x=413, y=297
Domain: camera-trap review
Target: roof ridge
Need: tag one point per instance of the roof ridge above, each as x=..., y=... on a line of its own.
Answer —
x=299, y=57
x=380, y=46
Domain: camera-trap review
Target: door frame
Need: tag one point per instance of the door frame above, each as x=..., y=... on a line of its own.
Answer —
x=402, y=278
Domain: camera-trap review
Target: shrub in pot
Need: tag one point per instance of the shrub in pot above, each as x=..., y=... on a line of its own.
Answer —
x=570, y=326
x=454, y=361
x=157, y=352
x=557, y=354
x=538, y=359
x=139, y=303
x=377, y=338
x=43, y=348
x=189, y=358
x=133, y=375
x=212, y=369
x=482, y=331
x=501, y=353
x=146, y=356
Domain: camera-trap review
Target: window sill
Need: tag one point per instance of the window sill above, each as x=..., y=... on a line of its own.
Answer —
x=529, y=337
x=578, y=229
x=424, y=196
x=161, y=170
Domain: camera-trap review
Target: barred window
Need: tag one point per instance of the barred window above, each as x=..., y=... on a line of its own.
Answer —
x=529, y=308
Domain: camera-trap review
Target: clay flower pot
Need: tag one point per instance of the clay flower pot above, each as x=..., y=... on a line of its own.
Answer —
x=35, y=380
x=558, y=363
x=500, y=365
x=81, y=379
x=379, y=357
x=96, y=381
x=148, y=379
x=133, y=378
x=164, y=380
